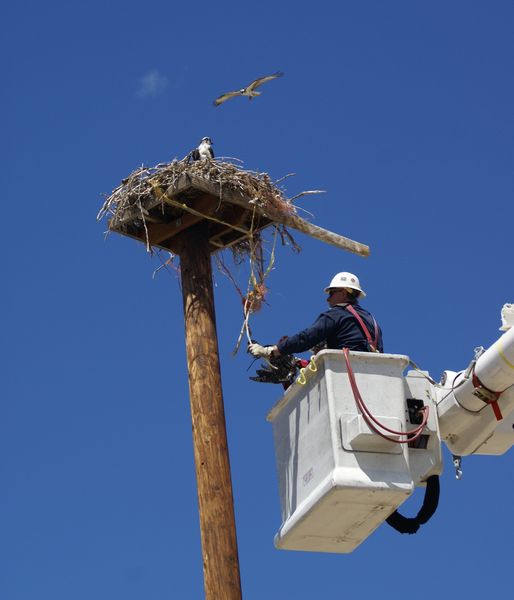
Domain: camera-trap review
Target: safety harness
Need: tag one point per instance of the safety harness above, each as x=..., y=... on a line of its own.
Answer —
x=372, y=343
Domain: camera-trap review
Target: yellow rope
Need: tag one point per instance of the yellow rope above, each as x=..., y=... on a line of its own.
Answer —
x=312, y=366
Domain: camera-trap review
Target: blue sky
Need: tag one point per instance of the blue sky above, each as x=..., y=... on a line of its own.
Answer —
x=403, y=112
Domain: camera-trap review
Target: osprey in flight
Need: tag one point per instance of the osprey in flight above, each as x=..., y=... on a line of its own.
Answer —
x=204, y=150
x=249, y=90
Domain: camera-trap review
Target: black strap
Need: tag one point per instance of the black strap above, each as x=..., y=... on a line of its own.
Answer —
x=430, y=502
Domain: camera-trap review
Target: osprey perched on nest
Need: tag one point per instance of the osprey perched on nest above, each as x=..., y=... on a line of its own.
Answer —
x=249, y=90
x=203, y=151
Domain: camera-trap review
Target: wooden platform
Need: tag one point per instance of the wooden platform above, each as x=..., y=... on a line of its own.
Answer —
x=231, y=217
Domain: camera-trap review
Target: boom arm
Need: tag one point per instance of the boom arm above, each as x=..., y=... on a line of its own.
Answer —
x=473, y=404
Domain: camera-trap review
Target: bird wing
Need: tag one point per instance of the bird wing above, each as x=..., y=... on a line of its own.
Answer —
x=257, y=82
x=224, y=97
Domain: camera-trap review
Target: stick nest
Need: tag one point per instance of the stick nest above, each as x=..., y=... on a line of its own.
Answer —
x=138, y=187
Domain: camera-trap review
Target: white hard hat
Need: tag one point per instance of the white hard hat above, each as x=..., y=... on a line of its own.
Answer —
x=346, y=280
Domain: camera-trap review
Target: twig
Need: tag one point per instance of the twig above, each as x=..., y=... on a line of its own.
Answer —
x=285, y=177
x=307, y=193
x=164, y=264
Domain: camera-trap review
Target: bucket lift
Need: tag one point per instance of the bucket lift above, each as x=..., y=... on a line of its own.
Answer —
x=338, y=479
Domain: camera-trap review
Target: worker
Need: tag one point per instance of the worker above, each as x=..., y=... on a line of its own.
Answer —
x=344, y=325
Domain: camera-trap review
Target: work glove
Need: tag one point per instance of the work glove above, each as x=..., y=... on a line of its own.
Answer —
x=261, y=351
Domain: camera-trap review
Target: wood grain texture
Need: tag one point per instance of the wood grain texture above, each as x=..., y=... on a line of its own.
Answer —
x=215, y=499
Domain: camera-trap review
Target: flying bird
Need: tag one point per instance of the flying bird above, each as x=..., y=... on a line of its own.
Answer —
x=204, y=150
x=249, y=90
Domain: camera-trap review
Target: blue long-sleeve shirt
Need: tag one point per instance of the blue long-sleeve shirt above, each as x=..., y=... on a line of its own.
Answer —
x=338, y=328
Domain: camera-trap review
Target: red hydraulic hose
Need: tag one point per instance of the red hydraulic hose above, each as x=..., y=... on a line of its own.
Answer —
x=371, y=421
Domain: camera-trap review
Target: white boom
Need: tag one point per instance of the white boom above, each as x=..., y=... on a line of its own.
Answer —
x=472, y=404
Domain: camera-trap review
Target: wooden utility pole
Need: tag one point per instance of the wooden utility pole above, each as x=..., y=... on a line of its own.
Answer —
x=215, y=499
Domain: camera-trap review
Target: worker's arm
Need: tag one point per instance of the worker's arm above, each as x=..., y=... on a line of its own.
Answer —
x=322, y=328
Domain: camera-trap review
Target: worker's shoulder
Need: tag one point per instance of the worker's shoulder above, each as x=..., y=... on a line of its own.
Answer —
x=335, y=312
x=341, y=310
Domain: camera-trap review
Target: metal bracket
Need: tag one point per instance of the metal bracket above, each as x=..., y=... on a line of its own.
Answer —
x=479, y=350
